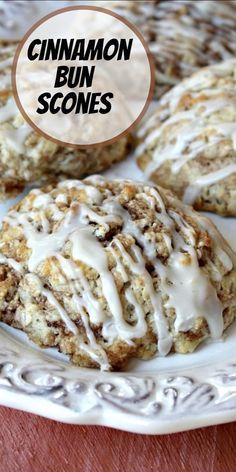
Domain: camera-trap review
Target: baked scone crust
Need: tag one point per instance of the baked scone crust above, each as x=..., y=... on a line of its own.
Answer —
x=182, y=35
x=7, y=52
x=28, y=158
x=108, y=270
x=188, y=145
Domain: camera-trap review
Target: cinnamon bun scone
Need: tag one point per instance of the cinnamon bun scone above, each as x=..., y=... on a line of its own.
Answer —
x=107, y=270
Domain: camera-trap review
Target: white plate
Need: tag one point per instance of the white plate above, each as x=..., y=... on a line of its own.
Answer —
x=163, y=395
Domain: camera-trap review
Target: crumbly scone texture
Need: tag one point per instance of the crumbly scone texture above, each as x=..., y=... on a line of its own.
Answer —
x=95, y=251
x=188, y=144
x=183, y=35
x=28, y=158
x=7, y=52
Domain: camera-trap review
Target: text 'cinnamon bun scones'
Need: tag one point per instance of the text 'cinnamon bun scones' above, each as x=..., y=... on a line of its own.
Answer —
x=108, y=270
x=25, y=156
x=189, y=143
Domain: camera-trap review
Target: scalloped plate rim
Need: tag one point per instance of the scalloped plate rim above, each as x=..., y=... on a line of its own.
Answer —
x=170, y=401
x=33, y=382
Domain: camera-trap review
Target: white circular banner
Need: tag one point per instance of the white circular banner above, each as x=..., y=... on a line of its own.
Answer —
x=83, y=76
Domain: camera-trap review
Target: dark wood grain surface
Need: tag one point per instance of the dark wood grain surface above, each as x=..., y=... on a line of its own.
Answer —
x=32, y=444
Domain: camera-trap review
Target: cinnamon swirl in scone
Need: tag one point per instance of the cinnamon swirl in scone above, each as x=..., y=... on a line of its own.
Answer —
x=28, y=158
x=183, y=35
x=189, y=143
x=109, y=270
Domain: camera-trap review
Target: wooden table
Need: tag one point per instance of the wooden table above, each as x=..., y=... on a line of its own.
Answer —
x=32, y=444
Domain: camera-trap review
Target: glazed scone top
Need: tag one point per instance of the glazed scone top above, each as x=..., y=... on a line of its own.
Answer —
x=196, y=116
x=184, y=35
x=126, y=233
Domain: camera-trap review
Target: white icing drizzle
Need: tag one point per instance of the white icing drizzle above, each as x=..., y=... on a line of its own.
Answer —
x=193, y=191
x=181, y=136
x=225, y=254
x=182, y=271
x=54, y=302
x=139, y=268
x=183, y=35
x=180, y=274
x=11, y=263
x=71, y=272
